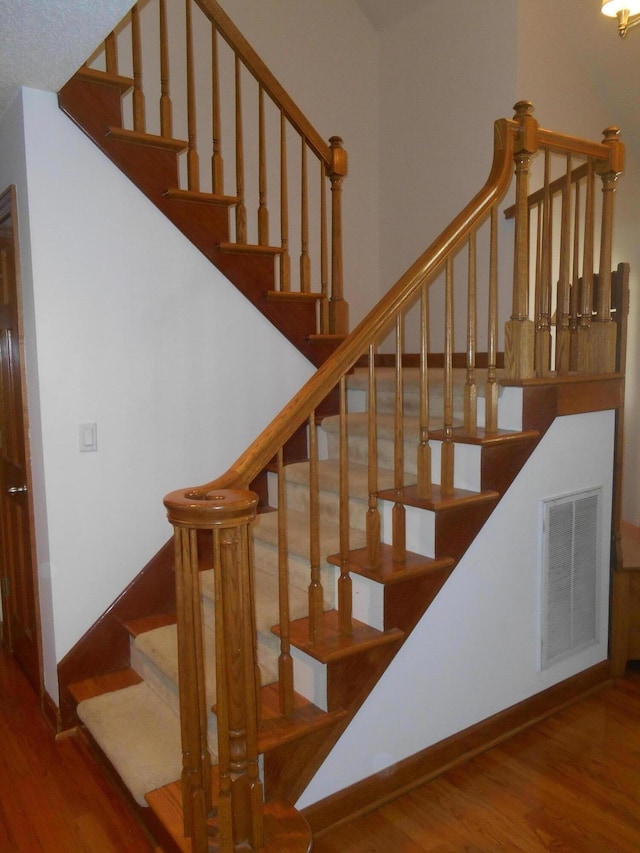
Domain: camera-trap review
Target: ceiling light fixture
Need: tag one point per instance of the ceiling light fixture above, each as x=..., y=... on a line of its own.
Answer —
x=626, y=11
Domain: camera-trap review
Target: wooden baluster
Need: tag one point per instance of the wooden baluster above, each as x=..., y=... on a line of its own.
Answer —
x=575, y=284
x=447, y=460
x=166, y=120
x=241, y=211
x=193, y=167
x=338, y=307
x=519, y=330
x=305, y=267
x=217, y=163
x=424, y=448
x=316, y=594
x=398, y=513
x=491, y=389
x=196, y=764
x=111, y=54
x=586, y=292
x=263, y=210
x=345, y=604
x=240, y=801
x=537, y=292
x=470, y=388
x=563, y=307
x=373, y=512
x=603, y=330
x=139, y=123
x=543, y=319
x=324, y=267
x=285, y=661
x=285, y=261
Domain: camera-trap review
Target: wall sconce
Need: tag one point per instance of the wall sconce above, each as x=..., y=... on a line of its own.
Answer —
x=626, y=11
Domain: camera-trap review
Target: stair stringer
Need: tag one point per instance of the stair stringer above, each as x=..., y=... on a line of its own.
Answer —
x=486, y=657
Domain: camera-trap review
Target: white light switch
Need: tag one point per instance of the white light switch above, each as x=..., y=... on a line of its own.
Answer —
x=88, y=437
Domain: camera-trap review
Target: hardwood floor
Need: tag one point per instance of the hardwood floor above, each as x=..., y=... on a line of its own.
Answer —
x=53, y=798
x=571, y=783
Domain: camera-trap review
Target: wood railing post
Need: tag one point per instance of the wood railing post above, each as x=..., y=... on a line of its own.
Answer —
x=520, y=330
x=228, y=513
x=338, y=307
x=603, y=329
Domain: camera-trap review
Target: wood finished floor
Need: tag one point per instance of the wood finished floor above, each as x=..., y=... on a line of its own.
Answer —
x=571, y=784
x=53, y=796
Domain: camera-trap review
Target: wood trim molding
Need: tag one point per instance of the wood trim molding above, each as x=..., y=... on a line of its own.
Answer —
x=372, y=792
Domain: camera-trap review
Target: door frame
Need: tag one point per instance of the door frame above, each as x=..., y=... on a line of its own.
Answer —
x=9, y=209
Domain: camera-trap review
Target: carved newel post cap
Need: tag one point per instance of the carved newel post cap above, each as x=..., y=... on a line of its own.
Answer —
x=522, y=109
x=215, y=508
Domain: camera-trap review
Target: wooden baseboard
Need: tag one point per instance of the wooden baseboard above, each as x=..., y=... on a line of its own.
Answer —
x=374, y=791
x=51, y=713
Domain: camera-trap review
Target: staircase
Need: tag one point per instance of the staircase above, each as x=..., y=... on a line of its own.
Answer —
x=301, y=571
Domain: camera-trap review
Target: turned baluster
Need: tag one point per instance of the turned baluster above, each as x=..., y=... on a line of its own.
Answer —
x=285, y=661
x=424, y=448
x=285, y=261
x=305, y=267
x=447, y=451
x=586, y=291
x=603, y=330
x=217, y=163
x=373, y=512
x=166, y=121
x=324, y=266
x=543, y=318
x=574, y=300
x=338, y=308
x=241, y=211
x=111, y=54
x=316, y=593
x=398, y=513
x=263, y=210
x=470, y=388
x=491, y=388
x=519, y=330
x=563, y=306
x=136, y=49
x=345, y=604
x=193, y=167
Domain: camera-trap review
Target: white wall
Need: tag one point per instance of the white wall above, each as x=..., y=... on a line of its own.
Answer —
x=137, y=332
x=477, y=649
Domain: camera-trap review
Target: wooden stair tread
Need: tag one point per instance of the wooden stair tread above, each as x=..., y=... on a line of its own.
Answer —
x=249, y=248
x=106, y=683
x=152, y=140
x=201, y=197
x=285, y=829
x=334, y=645
x=483, y=438
x=105, y=78
x=275, y=729
x=292, y=296
x=135, y=627
x=390, y=571
x=438, y=502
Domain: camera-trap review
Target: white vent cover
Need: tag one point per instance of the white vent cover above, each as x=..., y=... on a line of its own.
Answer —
x=571, y=560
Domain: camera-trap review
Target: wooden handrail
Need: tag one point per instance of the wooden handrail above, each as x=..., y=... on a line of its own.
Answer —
x=238, y=43
x=193, y=501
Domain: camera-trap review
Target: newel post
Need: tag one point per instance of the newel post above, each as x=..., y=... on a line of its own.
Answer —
x=338, y=307
x=227, y=514
x=520, y=330
x=603, y=328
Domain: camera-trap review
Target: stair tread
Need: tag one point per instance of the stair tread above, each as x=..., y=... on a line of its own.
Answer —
x=201, y=197
x=99, y=684
x=105, y=78
x=390, y=571
x=250, y=248
x=275, y=729
x=334, y=645
x=137, y=137
x=438, y=502
x=485, y=439
x=148, y=623
x=292, y=296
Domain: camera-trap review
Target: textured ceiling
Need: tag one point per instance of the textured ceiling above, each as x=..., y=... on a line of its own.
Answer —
x=43, y=42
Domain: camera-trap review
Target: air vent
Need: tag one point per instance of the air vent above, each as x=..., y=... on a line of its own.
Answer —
x=571, y=561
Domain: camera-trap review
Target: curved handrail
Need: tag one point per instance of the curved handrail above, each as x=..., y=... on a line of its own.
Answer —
x=191, y=505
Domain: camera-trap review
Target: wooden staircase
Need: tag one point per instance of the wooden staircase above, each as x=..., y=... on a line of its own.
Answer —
x=367, y=458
